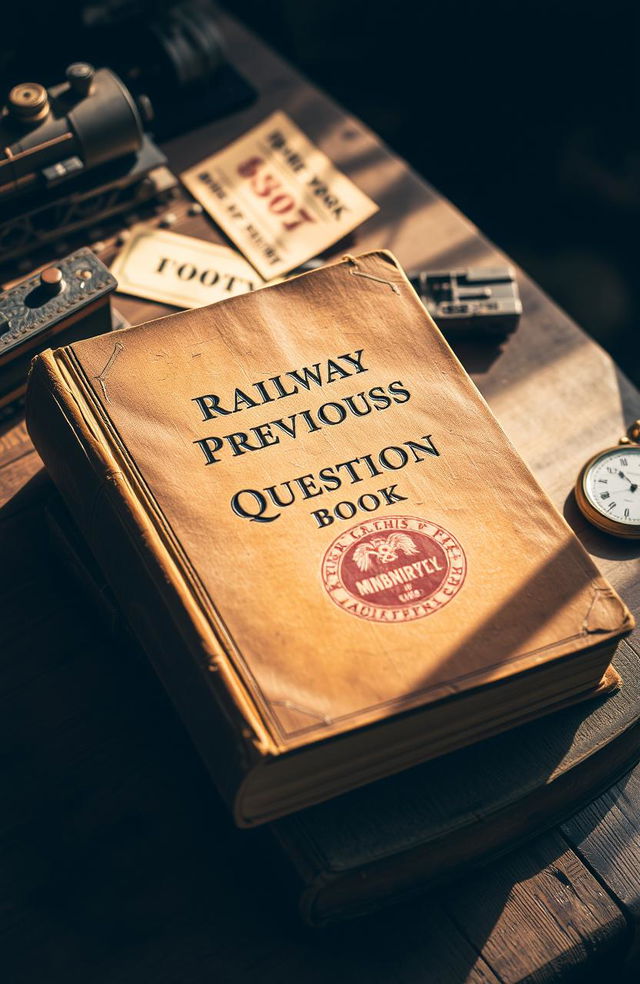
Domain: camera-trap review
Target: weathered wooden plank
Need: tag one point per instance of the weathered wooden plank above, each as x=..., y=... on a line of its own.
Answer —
x=540, y=917
x=18, y=460
x=606, y=834
x=14, y=440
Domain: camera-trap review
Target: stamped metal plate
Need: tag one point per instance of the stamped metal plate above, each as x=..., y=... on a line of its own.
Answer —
x=36, y=305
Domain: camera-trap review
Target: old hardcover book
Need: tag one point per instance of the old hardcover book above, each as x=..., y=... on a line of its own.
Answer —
x=335, y=559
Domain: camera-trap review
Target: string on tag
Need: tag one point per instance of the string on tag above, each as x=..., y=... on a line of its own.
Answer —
x=357, y=272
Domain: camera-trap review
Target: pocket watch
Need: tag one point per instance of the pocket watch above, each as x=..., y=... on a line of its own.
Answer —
x=608, y=487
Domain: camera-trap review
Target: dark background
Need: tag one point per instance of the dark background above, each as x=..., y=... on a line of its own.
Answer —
x=524, y=114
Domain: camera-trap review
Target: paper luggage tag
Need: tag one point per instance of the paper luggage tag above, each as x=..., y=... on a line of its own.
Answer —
x=278, y=197
x=181, y=270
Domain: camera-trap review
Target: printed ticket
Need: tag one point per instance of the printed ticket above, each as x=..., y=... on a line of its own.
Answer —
x=181, y=270
x=277, y=196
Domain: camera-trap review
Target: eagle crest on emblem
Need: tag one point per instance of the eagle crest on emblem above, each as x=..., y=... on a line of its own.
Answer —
x=384, y=549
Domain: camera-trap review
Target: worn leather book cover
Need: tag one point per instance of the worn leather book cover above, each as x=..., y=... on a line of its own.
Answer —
x=334, y=558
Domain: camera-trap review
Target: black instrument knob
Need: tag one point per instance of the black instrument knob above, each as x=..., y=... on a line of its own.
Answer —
x=80, y=78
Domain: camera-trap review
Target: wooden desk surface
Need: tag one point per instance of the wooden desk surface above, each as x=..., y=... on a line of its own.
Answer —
x=119, y=864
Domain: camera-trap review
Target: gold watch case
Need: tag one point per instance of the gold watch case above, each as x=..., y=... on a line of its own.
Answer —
x=602, y=522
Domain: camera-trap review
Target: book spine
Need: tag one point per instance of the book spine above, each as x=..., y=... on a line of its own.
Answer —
x=194, y=671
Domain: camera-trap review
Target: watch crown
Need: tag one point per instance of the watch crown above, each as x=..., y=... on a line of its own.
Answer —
x=634, y=431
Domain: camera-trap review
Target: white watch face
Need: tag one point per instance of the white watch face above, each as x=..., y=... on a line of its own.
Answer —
x=612, y=484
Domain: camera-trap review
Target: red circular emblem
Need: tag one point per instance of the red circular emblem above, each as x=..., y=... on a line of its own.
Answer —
x=394, y=569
